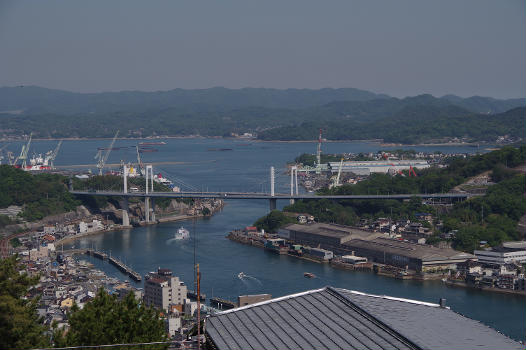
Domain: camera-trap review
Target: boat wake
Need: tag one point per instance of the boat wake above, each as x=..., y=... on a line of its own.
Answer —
x=175, y=241
x=247, y=279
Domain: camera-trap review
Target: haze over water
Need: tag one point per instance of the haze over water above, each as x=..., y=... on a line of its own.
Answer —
x=246, y=168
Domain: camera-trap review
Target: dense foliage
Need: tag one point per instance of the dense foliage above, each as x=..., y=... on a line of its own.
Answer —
x=19, y=323
x=492, y=218
x=346, y=212
x=107, y=320
x=272, y=221
x=414, y=124
x=5, y=220
x=310, y=159
x=40, y=194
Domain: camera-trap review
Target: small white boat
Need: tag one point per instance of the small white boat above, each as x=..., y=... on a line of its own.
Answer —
x=182, y=233
x=241, y=275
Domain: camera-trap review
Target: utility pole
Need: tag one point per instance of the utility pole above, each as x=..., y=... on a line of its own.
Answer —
x=198, y=308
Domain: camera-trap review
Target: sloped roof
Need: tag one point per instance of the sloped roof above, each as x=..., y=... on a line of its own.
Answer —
x=412, y=250
x=430, y=326
x=330, y=318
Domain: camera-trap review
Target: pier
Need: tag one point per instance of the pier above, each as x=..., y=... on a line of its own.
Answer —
x=222, y=304
x=116, y=262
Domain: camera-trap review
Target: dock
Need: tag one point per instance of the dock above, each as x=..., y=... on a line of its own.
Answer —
x=193, y=296
x=114, y=261
x=125, y=269
x=222, y=304
x=97, y=254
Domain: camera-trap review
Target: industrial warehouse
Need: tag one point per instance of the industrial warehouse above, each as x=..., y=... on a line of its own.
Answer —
x=377, y=166
x=374, y=246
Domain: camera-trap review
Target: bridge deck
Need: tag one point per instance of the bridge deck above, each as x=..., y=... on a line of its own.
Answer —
x=248, y=195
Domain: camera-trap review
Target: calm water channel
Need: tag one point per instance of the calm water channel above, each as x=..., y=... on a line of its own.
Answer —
x=245, y=168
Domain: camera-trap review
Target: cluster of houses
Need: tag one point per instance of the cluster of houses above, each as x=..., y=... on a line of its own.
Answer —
x=509, y=276
x=65, y=281
x=205, y=207
x=32, y=245
x=412, y=231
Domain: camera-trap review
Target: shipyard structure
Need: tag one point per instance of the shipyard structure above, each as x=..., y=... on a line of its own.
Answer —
x=375, y=246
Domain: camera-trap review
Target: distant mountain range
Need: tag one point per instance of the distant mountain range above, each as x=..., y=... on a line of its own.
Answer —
x=33, y=99
x=272, y=114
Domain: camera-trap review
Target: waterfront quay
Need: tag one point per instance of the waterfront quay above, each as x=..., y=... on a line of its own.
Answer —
x=362, y=250
x=116, y=262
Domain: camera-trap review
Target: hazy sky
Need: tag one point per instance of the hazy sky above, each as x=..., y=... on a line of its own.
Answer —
x=399, y=47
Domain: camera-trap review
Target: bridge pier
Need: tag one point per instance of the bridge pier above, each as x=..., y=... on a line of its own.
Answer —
x=153, y=210
x=273, y=202
x=125, y=215
x=147, y=209
x=125, y=218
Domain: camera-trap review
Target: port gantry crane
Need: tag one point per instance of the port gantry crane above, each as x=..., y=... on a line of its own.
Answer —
x=51, y=155
x=1, y=156
x=102, y=159
x=23, y=153
x=140, y=165
x=339, y=172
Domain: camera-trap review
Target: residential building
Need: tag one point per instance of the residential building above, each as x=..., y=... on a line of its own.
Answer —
x=161, y=290
x=509, y=252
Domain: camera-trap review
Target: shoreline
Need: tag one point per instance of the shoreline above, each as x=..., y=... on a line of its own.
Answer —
x=377, y=141
x=462, y=284
x=173, y=218
x=370, y=268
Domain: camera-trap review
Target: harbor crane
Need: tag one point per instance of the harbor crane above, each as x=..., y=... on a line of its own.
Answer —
x=140, y=165
x=1, y=149
x=23, y=152
x=339, y=172
x=51, y=155
x=318, y=150
x=103, y=158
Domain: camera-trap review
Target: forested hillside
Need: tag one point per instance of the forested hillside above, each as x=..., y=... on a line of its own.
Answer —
x=343, y=114
x=40, y=195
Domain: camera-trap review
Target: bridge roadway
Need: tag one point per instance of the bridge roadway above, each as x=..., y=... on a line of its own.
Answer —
x=272, y=199
x=256, y=195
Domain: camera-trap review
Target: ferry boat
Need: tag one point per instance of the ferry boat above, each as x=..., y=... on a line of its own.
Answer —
x=308, y=275
x=182, y=233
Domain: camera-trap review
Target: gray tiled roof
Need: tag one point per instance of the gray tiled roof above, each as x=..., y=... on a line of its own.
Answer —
x=430, y=326
x=331, y=318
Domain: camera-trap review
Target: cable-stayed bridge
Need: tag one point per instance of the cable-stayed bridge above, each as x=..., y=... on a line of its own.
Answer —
x=149, y=195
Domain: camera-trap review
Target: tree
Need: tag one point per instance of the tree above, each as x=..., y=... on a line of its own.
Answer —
x=274, y=220
x=19, y=323
x=106, y=320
